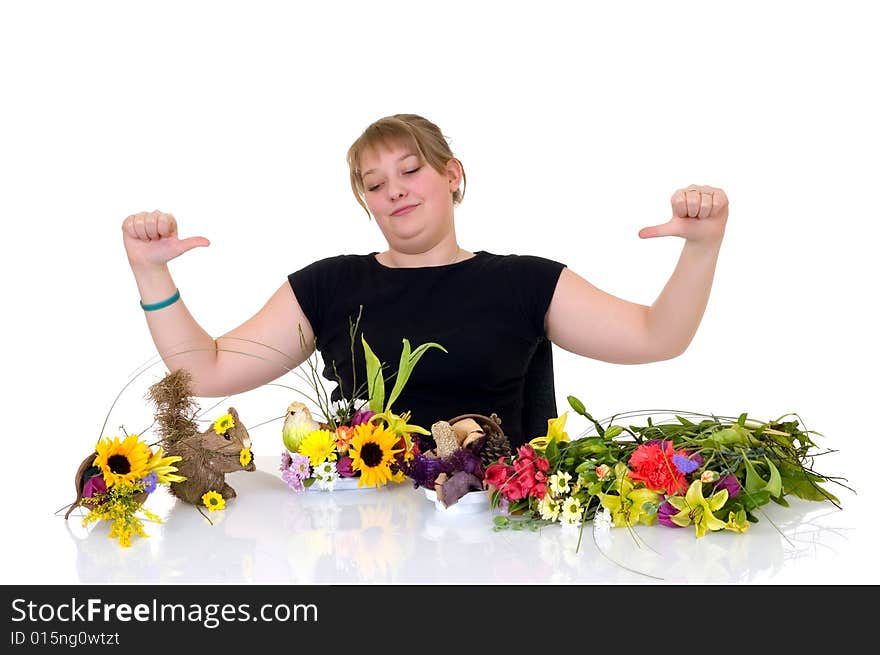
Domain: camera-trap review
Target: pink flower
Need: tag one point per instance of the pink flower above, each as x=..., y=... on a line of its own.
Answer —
x=602, y=470
x=543, y=464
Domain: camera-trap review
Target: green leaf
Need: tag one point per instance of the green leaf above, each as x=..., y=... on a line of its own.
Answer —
x=741, y=421
x=754, y=482
x=751, y=500
x=551, y=452
x=375, y=380
x=407, y=364
x=501, y=521
x=774, y=484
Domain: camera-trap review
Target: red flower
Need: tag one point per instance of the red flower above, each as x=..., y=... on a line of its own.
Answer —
x=496, y=474
x=651, y=463
x=525, y=452
x=539, y=490
x=525, y=473
x=513, y=490
x=543, y=464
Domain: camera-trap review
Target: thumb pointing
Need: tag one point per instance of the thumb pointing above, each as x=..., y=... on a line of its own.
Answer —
x=193, y=242
x=656, y=231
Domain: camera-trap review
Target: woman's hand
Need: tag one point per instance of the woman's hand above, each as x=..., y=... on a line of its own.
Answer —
x=150, y=239
x=699, y=214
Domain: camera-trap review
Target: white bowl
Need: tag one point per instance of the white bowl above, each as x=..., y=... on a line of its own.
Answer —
x=471, y=503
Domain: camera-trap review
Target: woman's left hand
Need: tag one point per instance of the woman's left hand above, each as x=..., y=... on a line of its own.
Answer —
x=699, y=213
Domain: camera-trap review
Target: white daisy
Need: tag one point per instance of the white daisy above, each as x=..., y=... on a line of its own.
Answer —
x=571, y=511
x=548, y=508
x=326, y=475
x=558, y=483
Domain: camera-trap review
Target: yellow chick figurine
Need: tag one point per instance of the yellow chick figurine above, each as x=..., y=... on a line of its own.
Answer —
x=298, y=423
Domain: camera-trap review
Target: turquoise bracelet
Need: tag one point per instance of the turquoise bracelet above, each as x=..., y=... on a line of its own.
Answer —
x=162, y=303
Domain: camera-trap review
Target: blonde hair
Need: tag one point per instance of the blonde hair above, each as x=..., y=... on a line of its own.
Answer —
x=408, y=130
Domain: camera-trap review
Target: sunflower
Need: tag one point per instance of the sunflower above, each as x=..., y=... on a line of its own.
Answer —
x=213, y=501
x=122, y=462
x=372, y=452
x=318, y=446
x=245, y=456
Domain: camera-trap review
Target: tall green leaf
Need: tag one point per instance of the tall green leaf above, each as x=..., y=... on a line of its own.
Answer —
x=407, y=363
x=375, y=381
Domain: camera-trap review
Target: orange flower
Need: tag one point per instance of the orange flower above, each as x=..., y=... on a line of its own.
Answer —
x=344, y=434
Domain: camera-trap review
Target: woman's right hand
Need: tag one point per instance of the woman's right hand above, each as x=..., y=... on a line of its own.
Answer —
x=150, y=239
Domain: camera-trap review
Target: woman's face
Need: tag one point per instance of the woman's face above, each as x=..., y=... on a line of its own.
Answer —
x=411, y=202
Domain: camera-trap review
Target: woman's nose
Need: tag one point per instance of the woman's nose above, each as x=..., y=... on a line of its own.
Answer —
x=394, y=191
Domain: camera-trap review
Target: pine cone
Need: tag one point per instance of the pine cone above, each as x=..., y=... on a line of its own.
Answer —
x=497, y=445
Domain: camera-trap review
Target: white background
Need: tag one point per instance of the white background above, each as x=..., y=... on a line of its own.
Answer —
x=575, y=123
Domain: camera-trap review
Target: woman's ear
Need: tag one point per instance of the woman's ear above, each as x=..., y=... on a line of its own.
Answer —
x=454, y=173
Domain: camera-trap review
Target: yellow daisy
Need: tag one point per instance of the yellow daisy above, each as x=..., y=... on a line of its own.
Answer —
x=224, y=423
x=245, y=456
x=213, y=501
x=372, y=451
x=162, y=467
x=318, y=446
x=124, y=461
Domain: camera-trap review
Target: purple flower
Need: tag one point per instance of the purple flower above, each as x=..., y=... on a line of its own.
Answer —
x=152, y=481
x=730, y=483
x=464, y=460
x=665, y=513
x=424, y=470
x=292, y=479
x=343, y=467
x=361, y=416
x=94, y=485
x=299, y=466
x=687, y=464
x=285, y=461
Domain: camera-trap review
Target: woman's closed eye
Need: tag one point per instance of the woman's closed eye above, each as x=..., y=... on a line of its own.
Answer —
x=376, y=186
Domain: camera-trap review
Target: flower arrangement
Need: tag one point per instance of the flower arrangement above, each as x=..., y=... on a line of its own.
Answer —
x=115, y=480
x=463, y=448
x=360, y=439
x=707, y=475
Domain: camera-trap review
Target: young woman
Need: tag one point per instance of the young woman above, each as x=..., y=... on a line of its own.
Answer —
x=490, y=312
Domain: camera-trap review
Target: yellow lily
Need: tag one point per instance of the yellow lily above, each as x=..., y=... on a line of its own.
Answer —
x=699, y=510
x=628, y=506
x=400, y=426
x=555, y=430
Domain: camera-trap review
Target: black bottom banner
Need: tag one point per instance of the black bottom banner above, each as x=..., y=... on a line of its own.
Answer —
x=217, y=616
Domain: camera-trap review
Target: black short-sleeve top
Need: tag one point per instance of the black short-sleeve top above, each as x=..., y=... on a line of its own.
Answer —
x=486, y=311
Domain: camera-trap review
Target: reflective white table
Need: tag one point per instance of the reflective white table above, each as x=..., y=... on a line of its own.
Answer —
x=396, y=535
